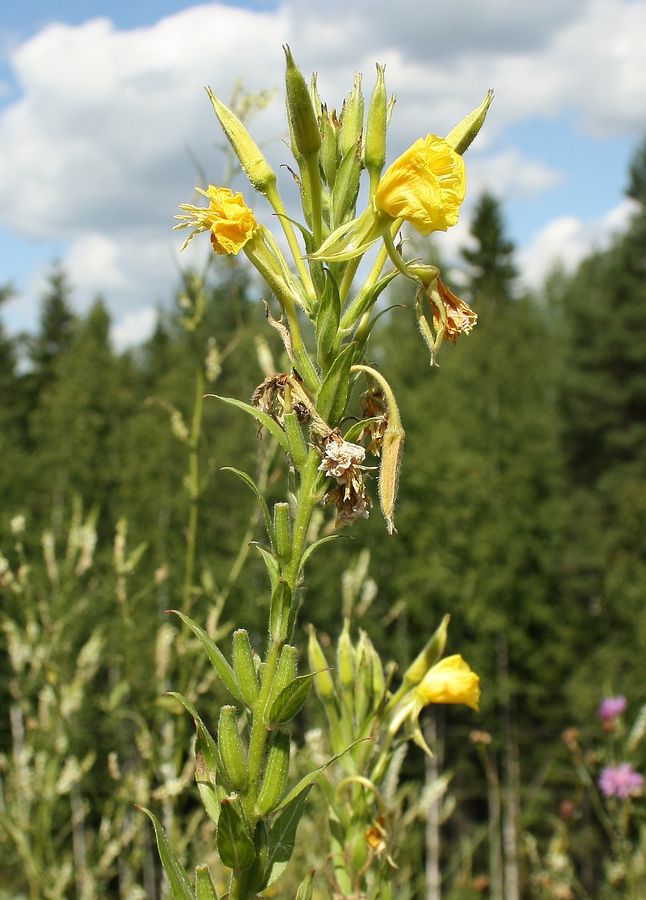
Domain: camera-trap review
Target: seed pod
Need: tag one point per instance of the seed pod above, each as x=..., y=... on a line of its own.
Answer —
x=282, y=530
x=233, y=756
x=462, y=135
x=244, y=667
x=295, y=439
x=285, y=670
x=323, y=681
x=302, y=119
x=391, y=454
x=274, y=779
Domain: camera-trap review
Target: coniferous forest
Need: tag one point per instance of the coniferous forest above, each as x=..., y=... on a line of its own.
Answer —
x=521, y=510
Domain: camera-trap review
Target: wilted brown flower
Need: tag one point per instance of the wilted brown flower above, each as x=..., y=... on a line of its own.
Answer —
x=269, y=396
x=373, y=406
x=451, y=315
x=343, y=460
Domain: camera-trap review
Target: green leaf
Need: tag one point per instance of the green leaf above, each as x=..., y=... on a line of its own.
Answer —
x=235, y=847
x=346, y=186
x=319, y=543
x=215, y=655
x=204, y=887
x=327, y=322
x=307, y=780
x=262, y=417
x=248, y=480
x=333, y=396
x=352, y=434
x=177, y=877
x=305, y=888
x=271, y=564
x=282, y=837
x=290, y=700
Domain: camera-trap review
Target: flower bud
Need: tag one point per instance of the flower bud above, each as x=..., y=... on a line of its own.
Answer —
x=302, y=119
x=375, y=145
x=363, y=680
x=329, y=152
x=351, y=118
x=232, y=751
x=253, y=163
x=274, y=779
x=244, y=667
x=429, y=655
x=323, y=681
x=345, y=657
x=463, y=134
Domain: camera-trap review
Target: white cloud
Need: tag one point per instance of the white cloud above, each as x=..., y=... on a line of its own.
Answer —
x=134, y=328
x=94, y=149
x=567, y=240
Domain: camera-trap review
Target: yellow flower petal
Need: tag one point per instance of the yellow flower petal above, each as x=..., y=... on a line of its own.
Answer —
x=227, y=217
x=425, y=186
x=451, y=680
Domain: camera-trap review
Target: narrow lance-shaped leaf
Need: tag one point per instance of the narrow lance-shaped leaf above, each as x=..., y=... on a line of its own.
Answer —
x=204, y=887
x=282, y=837
x=290, y=700
x=333, y=396
x=215, y=655
x=265, y=420
x=177, y=877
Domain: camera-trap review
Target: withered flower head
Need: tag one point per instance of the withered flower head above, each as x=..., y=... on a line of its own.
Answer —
x=451, y=315
x=373, y=407
x=350, y=504
x=269, y=396
x=343, y=460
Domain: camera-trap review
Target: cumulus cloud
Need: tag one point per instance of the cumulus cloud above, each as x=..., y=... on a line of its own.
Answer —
x=134, y=328
x=566, y=240
x=95, y=148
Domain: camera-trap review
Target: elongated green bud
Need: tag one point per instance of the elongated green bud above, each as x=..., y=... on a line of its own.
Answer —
x=429, y=655
x=464, y=133
x=232, y=752
x=285, y=670
x=378, y=680
x=351, y=118
x=253, y=163
x=375, y=144
x=244, y=667
x=323, y=681
x=274, y=779
x=345, y=657
x=295, y=439
x=302, y=118
x=329, y=153
x=282, y=530
x=362, y=681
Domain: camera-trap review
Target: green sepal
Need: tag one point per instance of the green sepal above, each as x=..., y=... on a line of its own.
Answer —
x=175, y=872
x=262, y=417
x=235, y=847
x=306, y=887
x=274, y=779
x=327, y=322
x=282, y=837
x=248, y=480
x=215, y=655
x=204, y=887
x=279, y=610
x=290, y=700
x=333, y=395
x=346, y=186
x=295, y=439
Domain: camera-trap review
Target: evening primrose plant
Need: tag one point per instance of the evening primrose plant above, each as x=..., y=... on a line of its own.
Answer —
x=324, y=320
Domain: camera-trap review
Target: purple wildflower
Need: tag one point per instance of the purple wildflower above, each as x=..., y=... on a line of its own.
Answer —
x=611, y=707
x=620, y=781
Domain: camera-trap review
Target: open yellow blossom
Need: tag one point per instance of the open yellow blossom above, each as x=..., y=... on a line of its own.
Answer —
x=451, y=680
x=425, y=186
x=227, y=217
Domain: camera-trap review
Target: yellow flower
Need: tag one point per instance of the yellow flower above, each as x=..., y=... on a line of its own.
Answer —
x=425, y=186
x=227, y=217
x=451, y=680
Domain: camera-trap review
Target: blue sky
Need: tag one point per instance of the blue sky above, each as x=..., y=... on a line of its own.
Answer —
x=99, y=101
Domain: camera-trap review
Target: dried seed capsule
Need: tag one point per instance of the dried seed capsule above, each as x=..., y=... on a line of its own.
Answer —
x=244, y=667
x=274, y=779
x=233, y=756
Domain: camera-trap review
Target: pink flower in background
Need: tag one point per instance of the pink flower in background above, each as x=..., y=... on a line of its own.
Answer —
x=611, y=707
x=620, y=781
